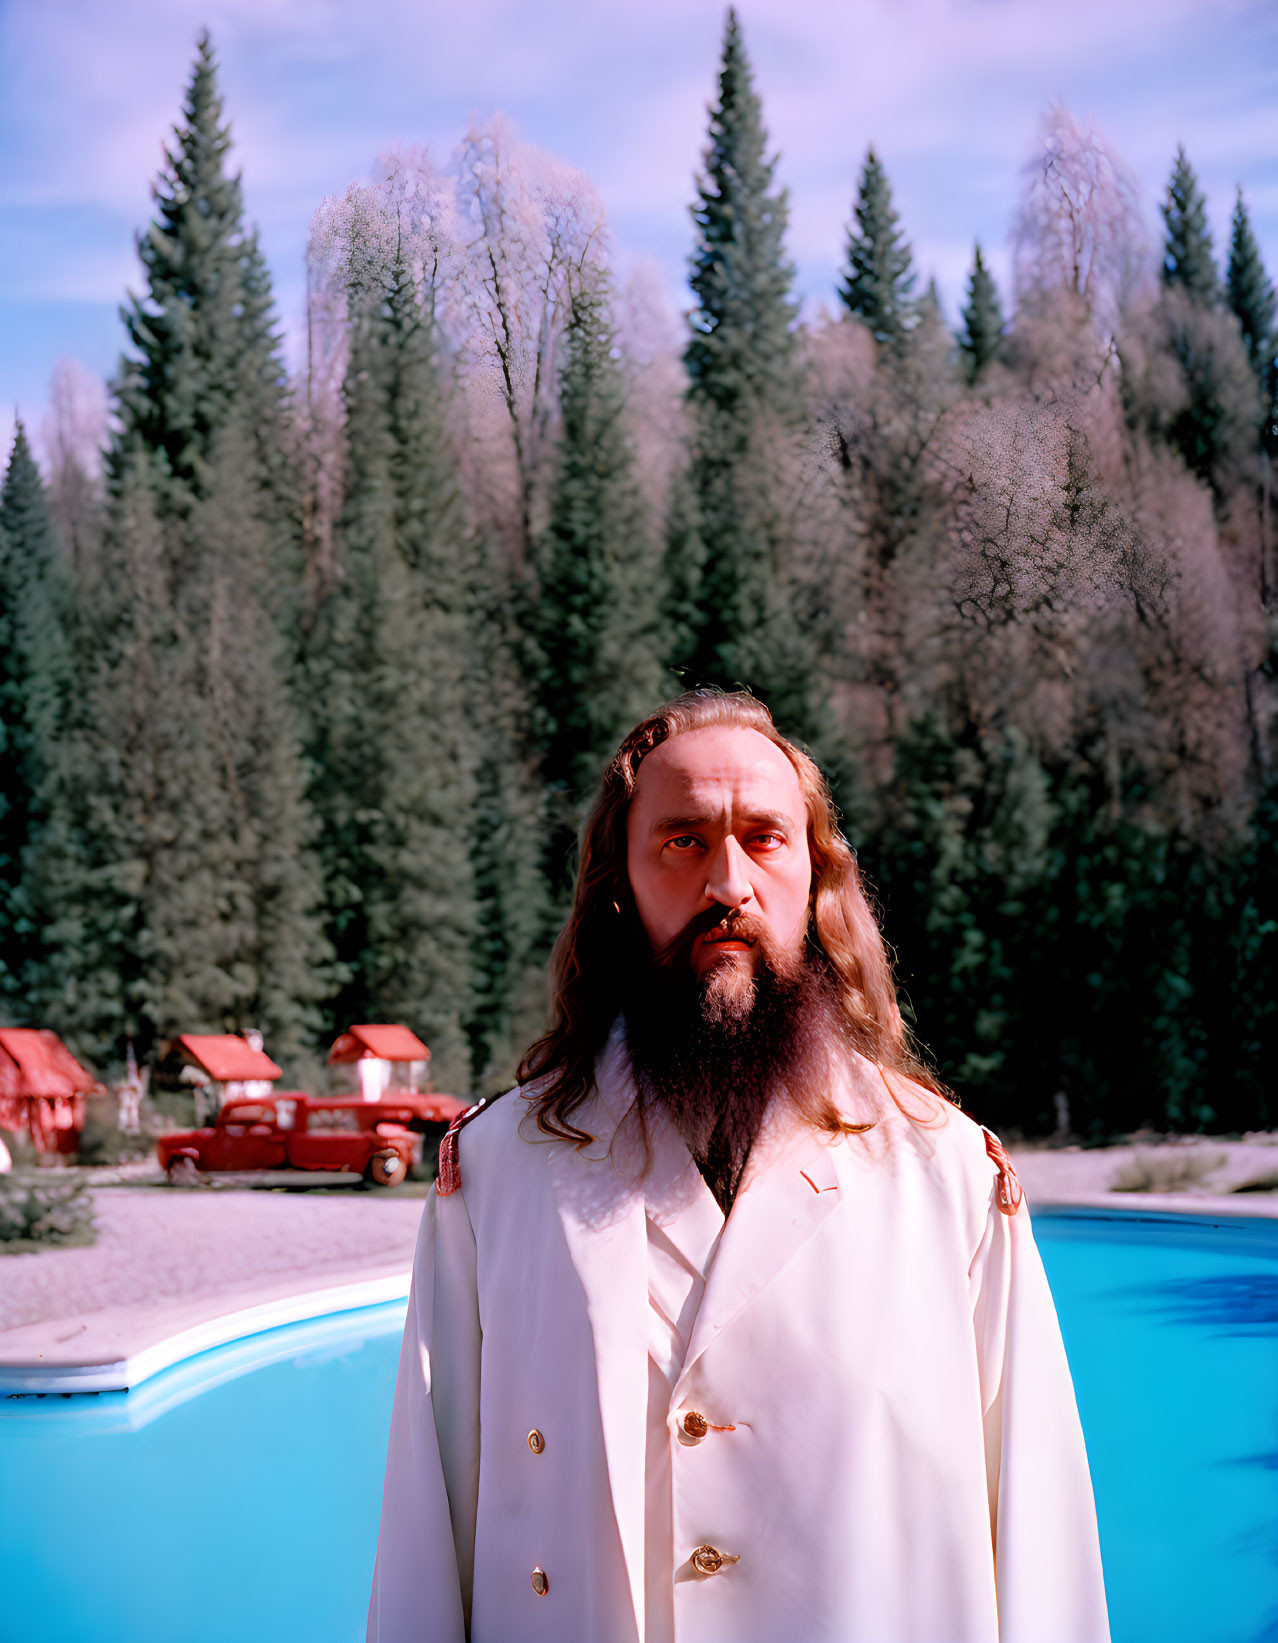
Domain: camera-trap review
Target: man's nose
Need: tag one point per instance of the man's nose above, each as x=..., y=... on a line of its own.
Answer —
x=728, y=881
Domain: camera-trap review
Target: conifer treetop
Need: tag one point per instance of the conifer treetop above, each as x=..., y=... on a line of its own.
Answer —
x=1187, y=252
x=28, y=537
x=1250, y=291
x=982, y=329
x=741, y=340
x=880, y=273
x=202, y=329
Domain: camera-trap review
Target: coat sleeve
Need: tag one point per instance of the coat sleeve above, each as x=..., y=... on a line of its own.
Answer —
x=426, y=1544
x=1042, y=1514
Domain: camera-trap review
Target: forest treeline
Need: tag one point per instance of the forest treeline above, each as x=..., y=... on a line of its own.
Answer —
x=301, y=700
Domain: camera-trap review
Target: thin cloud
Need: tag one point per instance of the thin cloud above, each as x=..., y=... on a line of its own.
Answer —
x=947, y=90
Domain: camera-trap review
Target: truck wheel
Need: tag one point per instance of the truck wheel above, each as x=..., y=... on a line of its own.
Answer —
x=386, y=1168
x=182, y=1173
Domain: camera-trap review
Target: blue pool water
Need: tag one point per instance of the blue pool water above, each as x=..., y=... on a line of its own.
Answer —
x=234, y=1499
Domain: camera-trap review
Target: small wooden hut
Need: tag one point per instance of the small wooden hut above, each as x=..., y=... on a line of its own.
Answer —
x=42, y=1088
x=390, y=1060
x=222, y=1067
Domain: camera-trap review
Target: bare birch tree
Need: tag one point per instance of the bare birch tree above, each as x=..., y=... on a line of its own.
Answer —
x=529, y=228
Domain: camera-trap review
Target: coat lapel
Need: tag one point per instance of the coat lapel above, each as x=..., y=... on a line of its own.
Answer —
x=602, y=1210
x=788, y=1191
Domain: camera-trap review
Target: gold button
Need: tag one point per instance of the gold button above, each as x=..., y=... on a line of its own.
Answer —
x=695, y=1424
x=708, y=1560
x=536, y=1442
x=540, y=1584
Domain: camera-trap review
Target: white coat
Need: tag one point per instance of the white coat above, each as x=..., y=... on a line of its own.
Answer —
x=904, y=1465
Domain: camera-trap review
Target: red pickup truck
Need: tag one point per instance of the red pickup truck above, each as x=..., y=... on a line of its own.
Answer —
x=375, y=1139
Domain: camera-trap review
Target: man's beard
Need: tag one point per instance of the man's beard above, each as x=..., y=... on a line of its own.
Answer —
x=713, y=1050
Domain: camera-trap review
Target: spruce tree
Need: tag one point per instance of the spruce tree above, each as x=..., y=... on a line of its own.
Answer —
x=430, y=794
x=744, y=402
x=263, y=405
x=1250, y=292
x=1207, y=406
x=35, y=687
x=204, y=350
x=741, y=350
x=187, y=871
x=982, y=331
x=592, y=653
x=181, y=883
x=178, y=388
x=118, y=766
x=1187, y=253
x=509, y=1006
x=880, y=272
x=269, y=884
x=396, y=776
x=682, y=569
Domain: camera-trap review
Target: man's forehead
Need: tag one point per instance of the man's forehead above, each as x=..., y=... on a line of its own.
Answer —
x=713, y=767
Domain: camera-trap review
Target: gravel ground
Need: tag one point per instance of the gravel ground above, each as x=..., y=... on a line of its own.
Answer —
x=156, y=1245
x=1217, y=1168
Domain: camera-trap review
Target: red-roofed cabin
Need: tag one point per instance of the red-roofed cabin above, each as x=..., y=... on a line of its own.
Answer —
x=379, y=1054
x=224, y=1067
x=392, y=1064
x=42, y=1088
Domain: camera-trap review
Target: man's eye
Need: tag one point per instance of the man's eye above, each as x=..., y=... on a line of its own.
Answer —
x=684, y=841
x=770, y=841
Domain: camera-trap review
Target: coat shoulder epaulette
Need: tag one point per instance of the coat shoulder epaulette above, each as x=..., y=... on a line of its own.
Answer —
x=449, y=1178
x=1008, y=1193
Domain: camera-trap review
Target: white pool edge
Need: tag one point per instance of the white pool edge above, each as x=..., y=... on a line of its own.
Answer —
x=125, y=1373
x=128, y=1370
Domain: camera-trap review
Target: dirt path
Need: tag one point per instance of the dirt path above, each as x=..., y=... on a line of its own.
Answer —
x=156, y=1245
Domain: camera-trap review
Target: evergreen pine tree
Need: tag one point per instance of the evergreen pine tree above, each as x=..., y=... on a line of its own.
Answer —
x=116, y=759
x=205, y=351
x=741, y=350
x=1207, y=406
x=263, y=406
x=1187, y=254
x=1251, y=294
x=268, y=882
x=396, y=768
x=982, y=330
x=510, y=997
x=179, y=387
x=180, y=882
x=880, y=272
x=187, y=871
x=35, y=686
x=743, y=395
x=682, y=570
x=593, y=665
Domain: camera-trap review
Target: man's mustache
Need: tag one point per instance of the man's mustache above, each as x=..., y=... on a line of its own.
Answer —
x=728, y=923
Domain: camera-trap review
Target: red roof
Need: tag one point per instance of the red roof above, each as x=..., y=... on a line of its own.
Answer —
x=225, y=1057
x=35, y=1061
x=385, y=1043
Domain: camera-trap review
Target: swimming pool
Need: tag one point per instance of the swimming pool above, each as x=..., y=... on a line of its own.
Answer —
x=235, y=1497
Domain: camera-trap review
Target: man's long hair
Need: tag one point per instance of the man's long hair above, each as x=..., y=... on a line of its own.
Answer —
x=587, y=973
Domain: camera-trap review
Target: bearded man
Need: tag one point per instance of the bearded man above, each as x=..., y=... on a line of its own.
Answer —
x=727, y=1326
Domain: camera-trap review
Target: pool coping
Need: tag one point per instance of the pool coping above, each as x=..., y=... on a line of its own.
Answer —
x=1250, y=1206
x=120, y=1347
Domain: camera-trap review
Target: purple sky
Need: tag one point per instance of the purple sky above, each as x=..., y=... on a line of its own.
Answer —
x=949, y=91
